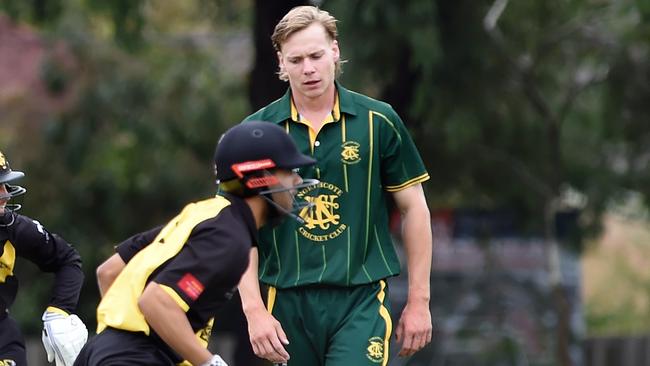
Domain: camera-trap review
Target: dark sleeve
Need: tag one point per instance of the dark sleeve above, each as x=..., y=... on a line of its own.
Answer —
x=128, y=248
x=51, y=254
x=214, y=257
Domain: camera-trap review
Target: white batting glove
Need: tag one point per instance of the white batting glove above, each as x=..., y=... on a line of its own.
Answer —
x=63, y=336
x=216, y=360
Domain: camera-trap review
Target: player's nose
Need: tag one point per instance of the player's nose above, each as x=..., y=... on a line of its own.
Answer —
x=297, y=179
x=308, y=67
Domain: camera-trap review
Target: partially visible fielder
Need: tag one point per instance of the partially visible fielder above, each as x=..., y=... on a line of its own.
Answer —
x=162, y=287
x=63, y=332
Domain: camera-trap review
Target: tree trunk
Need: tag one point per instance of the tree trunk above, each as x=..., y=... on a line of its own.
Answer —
x=264, y=85
x=560, y=301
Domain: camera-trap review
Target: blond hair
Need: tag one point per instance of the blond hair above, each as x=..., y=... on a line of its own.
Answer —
x=298, y=19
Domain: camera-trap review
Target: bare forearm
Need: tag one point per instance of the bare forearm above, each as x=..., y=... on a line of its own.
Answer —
x=170, y=322
x=108, y=271
x=416, y=234
x=249, y=286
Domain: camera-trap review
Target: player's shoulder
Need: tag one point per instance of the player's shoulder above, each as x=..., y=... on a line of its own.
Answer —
x=235, y=215
x=226, y=222
x=275, y=111
x=261, y=113
x=367, y=103
x=22, y=220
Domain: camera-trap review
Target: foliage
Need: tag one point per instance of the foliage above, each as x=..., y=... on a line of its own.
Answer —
x=513, y=104
x=533, y=106
x=137, y=143
x=507, y=108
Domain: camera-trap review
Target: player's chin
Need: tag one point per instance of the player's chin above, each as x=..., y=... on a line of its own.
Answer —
x=314, y=92
x=287, y=209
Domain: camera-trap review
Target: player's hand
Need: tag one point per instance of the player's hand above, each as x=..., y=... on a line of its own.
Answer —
x=215, y=360
x=266, y=336
x=414, y=329
x=63, y=336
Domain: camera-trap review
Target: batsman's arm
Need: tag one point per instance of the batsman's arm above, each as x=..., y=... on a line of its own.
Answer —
x=170, y=322
x=249, y=286
x=108, y=271
x=51, y=253
x=265, y=332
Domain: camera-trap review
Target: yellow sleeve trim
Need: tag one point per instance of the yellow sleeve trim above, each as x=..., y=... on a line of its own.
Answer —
x=54, y=309
x=408, y=183
x=170, y=291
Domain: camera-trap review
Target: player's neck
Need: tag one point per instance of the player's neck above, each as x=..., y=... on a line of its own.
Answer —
x=321, y=103
x=259, y=208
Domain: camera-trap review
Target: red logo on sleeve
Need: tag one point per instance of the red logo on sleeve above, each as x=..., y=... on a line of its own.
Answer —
x=191, y=286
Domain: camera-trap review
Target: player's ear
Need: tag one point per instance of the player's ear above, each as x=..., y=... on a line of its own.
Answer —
x=282, y=72
x=335, y=50
x=280, y=61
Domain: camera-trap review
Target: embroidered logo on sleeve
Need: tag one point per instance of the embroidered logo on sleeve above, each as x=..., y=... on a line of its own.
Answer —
x=191, y=286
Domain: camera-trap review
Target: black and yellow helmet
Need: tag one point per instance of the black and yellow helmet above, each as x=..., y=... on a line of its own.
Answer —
x=252, y=147
x=245, y=158
x=7, y=175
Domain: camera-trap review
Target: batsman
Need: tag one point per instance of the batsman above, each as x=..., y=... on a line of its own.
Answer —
x=163, y=286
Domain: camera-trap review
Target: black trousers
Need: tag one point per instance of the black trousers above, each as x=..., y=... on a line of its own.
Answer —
x=114, y=347
x=12, y=343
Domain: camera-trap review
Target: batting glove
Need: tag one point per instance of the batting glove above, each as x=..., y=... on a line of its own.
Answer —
x=216, y=360
x=63, y=336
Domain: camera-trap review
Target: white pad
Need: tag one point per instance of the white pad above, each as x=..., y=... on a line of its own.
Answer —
x=63, y=337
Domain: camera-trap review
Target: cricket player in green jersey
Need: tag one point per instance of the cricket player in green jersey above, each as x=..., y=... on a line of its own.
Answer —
x=327, y=300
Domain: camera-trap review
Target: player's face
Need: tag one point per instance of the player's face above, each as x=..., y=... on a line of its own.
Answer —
x=4, y=197
x=308, y=57
x=287, y=179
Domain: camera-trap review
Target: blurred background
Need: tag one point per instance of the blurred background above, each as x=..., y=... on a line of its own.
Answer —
x=532, y=118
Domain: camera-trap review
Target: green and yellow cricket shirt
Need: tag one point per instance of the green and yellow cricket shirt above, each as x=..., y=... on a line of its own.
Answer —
x=363, y=153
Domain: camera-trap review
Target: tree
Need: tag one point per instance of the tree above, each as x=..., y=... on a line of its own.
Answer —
x=264, y=85
x=504, y=100
x=136, y=143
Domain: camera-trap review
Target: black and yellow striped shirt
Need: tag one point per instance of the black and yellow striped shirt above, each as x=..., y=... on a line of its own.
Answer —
x=198, y=258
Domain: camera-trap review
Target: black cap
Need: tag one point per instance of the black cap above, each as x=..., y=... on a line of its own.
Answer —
x=6, y=174
x=256, y=145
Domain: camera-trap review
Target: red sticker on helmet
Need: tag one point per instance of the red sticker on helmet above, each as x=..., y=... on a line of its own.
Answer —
x=262, y=182
x=191, y=286
x=251, y=166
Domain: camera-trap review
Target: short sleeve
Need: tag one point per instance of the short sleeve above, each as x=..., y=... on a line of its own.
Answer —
x=213, y=258
x=401, y=164
x=131, y=246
